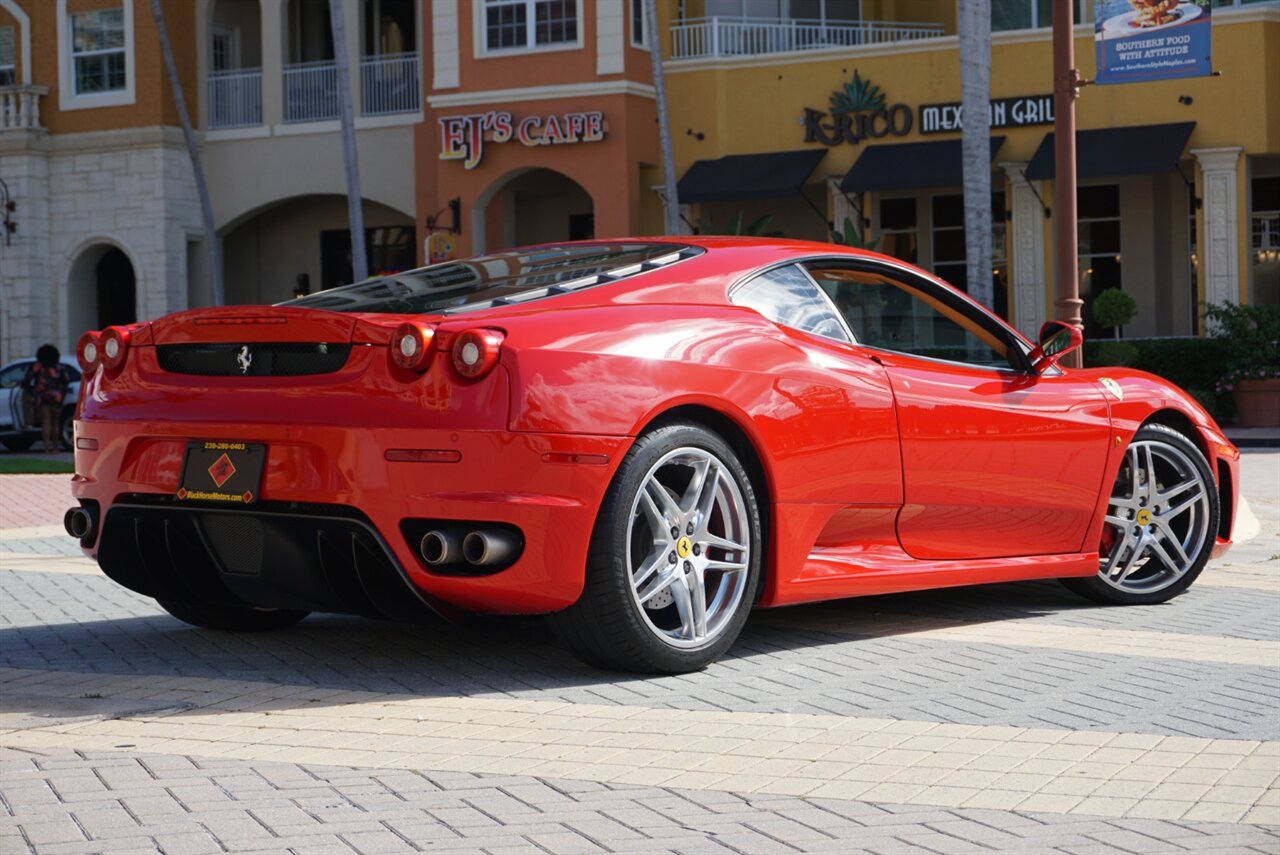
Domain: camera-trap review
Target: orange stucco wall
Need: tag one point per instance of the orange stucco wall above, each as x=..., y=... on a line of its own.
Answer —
x=609, y=170
x=154, y=104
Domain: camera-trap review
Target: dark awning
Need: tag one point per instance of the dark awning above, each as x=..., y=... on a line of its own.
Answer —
x=748, y=176
x=910, y=166
x=1110, y=152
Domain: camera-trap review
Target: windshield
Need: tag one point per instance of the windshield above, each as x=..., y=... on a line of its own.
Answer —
x=490, y=279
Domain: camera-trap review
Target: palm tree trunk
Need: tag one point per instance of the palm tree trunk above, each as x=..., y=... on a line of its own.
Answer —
x=193, y=151
x=670, y=201
x=974, y=19
x=350, y=162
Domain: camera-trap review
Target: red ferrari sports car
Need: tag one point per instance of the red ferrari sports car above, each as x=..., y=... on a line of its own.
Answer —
x=644, y=438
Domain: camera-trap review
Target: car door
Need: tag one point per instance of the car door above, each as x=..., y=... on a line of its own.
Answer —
x=835, y=429
x=997, y=460
x=11, y=416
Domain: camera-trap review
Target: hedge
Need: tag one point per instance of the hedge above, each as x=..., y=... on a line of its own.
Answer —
x=1195, y=364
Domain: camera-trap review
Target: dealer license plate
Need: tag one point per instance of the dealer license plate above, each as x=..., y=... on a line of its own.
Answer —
x=221, y=471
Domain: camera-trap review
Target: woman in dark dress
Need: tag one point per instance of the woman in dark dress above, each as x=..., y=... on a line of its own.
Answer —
x=46, y=385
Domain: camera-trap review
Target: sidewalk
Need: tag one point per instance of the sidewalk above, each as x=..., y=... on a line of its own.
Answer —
x=1011, y=718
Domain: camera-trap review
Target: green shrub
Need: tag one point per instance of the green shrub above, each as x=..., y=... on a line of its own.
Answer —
x=1113, y=308
x=1116, y=353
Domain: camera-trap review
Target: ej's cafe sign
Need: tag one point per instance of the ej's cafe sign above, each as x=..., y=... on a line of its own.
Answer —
x=463, y=137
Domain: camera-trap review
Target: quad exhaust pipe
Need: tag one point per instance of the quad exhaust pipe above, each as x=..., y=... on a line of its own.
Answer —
x=482, y=547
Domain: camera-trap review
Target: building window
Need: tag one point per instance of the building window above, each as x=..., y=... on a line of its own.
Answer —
x=97, y=51
x=1098, y=218
x=514, y=24
x=898, y=228
x=639, y=24
x=1265, y=240
x=950, y=255
x=1028, y=14
x=7, y=70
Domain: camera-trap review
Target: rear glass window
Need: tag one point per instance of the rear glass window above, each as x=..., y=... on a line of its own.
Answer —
x=495, y=279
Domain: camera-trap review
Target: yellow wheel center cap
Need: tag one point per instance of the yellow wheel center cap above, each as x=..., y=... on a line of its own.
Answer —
x=684, y=547
x=1144, y=517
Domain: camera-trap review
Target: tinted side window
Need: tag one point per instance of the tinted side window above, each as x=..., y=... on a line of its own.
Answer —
x=13, y=375
x=787, y=296
x=892, y=315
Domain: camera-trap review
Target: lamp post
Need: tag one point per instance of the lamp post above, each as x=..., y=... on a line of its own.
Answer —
x=1066, y=88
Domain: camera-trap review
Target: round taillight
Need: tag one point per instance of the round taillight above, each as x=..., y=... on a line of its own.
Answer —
x=87, y=352
x=411, y=346
x=475, y=352
x=114, y=344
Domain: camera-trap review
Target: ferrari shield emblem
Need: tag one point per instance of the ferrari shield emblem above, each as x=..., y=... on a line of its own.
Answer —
x=1113, y=387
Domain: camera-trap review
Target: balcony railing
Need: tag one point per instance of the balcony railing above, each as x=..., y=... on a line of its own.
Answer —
x=389, y=84
x=701, y=37
x=235, y=98
x=20, y=107
x=311, y=91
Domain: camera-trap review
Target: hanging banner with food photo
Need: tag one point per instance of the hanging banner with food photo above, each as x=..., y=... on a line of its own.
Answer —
x=1141, y=40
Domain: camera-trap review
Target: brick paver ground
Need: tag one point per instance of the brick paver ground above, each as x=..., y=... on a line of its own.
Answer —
x=1009, y=718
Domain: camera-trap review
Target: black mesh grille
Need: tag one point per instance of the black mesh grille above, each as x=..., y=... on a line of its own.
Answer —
x=287, y=359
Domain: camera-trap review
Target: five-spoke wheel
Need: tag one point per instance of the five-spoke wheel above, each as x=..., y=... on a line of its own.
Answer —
x=1160, y=522
x=674, y=557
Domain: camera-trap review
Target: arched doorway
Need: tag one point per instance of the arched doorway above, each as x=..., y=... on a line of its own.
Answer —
x=102, y=290
x=302, y=245
x=532, y=206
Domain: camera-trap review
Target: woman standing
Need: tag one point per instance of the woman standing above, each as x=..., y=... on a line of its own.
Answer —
x=46, y=385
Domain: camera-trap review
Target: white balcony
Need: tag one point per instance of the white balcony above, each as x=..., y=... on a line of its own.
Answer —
x=695, y=38
x=20, y=107
x=311, y=91
x=235, y=98
x=390, y=84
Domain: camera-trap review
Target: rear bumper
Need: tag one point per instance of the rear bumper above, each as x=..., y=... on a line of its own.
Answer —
x=329, y=491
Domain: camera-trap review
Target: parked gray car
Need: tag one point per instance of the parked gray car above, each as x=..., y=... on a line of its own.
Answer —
x=15, y=433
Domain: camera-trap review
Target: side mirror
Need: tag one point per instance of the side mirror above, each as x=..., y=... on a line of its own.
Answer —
x=1056, y=341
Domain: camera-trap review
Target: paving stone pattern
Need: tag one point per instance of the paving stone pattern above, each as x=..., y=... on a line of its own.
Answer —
x=82, y=660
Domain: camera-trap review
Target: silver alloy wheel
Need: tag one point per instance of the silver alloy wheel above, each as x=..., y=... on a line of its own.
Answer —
x=1158, y=518
x=689, y=547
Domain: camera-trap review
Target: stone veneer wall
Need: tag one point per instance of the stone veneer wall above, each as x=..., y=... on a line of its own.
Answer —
x=132, y=189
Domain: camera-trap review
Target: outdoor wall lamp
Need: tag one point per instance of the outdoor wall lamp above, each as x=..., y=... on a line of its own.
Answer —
x=454, y=207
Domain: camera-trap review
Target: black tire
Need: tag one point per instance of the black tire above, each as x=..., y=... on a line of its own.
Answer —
x=66, y=429
x=1159, y=572
x=230, y=617
x=608, y=627
x=18, y=443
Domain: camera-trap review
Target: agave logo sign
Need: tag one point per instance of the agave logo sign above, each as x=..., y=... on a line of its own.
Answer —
x=857, y=112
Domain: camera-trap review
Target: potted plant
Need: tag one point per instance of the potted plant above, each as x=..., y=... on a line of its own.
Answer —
x=1252, y=378
x=1112, y=309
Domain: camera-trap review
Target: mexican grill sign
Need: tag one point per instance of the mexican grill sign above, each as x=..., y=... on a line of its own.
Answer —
x=858, y=111
x=463, y=137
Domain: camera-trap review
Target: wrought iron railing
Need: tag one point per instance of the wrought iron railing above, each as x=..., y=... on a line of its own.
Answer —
x=701, y=37
x=235, y=98
x=390, y=84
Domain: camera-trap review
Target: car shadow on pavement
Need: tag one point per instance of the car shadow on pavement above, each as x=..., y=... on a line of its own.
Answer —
x=505, y=656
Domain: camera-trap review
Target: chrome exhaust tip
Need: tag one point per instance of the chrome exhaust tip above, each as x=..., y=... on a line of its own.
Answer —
x=495, y=546
x=79, y=523
x=440, y=547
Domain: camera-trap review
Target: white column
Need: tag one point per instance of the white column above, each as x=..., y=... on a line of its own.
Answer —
x=1026, y=268
x=841, y=208
x=273, y=53
x=610, y=37
x=444, y=44
x=1221, y=249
